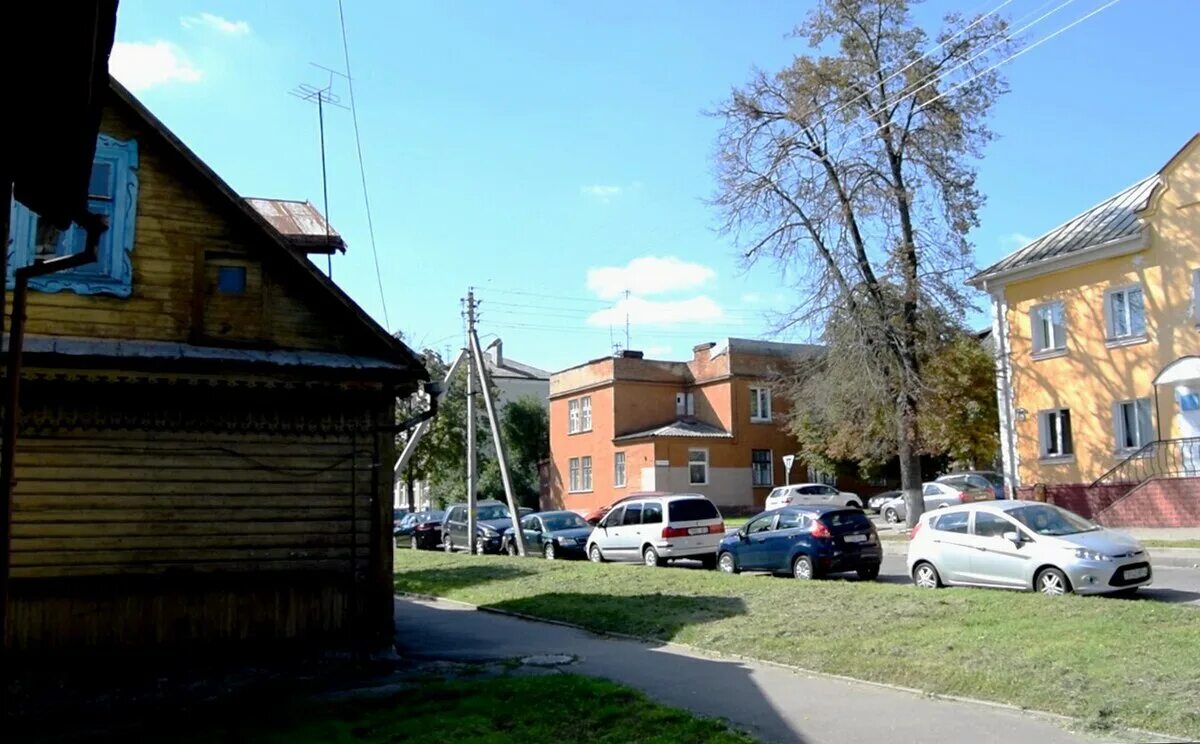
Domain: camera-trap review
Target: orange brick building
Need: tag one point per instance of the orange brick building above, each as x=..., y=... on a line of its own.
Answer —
x=624, y=424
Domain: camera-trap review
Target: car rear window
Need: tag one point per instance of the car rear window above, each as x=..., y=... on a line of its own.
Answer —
x=847, y=520
x=953, y=522
x=691, y=510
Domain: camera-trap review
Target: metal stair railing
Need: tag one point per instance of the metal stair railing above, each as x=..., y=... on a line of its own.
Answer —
x=1162, y=458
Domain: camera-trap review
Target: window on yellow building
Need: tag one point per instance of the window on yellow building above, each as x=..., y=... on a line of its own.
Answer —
x=1049, y=327
x=1125, y=312
x=1054, y=433
x=1132, y=424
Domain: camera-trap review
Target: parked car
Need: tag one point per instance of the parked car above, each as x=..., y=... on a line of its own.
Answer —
x=976, y=479
x=421, y=530
x=658, y=529
x=595, y=515
x=552, y=534
x=1024, y=545
x=876, y=502
x=937, y=496
x=400, y=520
x=806, y=542
x=491, y=519
x=816, y=494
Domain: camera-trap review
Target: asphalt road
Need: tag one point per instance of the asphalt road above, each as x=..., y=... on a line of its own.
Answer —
x=772, y=703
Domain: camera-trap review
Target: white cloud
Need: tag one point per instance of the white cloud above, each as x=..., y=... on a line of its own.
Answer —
x=142, y=65
x=648, y=275
x=1015, y=240
x=699, y=309
x=217, y=23
x=601, y=192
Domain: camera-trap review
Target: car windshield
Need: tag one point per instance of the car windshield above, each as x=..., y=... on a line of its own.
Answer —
x=430, y=517
x=563, y=522
x=492, y=512
x=1051, y=521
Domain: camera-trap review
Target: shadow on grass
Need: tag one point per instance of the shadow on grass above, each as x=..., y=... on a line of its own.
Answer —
x=660, y=616
x=440, y=580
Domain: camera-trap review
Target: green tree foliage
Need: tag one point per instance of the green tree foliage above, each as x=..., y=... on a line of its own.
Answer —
x=960, y=418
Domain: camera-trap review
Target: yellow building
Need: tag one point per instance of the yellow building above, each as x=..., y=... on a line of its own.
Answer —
x=1097, y=332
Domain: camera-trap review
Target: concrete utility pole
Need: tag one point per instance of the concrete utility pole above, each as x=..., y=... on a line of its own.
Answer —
x=472, y=461
x=481, y=368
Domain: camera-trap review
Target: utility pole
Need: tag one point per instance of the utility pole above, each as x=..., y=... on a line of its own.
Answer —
x=481, y=368
x=472, y=459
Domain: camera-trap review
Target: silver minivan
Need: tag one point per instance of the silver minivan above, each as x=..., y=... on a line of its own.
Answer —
x=1024, y=545
x=658, y=529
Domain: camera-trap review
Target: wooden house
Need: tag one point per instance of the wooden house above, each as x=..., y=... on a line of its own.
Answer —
x=204, y=415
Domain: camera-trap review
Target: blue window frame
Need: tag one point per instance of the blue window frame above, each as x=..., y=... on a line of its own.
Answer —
x=112, y=191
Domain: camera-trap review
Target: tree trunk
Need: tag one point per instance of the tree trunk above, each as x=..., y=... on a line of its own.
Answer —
x=410, y=481
x=910, y=464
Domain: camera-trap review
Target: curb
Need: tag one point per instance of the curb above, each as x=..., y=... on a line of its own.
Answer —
x=1078, y=724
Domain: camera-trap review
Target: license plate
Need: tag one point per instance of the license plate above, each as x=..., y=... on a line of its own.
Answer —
x=697, y=530
x=1137, y=573
x=855, y=538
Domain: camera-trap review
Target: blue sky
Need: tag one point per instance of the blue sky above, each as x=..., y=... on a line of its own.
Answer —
x=523, y=147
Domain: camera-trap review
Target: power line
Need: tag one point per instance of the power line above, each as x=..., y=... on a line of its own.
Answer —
x=362, y=171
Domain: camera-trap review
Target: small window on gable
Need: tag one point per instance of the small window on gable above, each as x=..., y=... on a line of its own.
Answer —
x=231, y=279
x=113, y=193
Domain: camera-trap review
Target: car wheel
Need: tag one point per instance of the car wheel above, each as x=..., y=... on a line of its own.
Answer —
x=1052, y=582
x=511, y=549
x=594, y=554
x=802, y=568
x=548, y=551
x=413, y=544
x=727, y=564
x=891, y=515
x=868, y=573
x=926, y=576
x=853, y=505
x=651, y=558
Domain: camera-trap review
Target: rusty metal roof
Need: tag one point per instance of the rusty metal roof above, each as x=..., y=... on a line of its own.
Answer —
x=300, y=223
x=1112, y=219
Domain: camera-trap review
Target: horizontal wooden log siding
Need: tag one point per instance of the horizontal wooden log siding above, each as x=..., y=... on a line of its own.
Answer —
x=127, y=539
x=133, y=503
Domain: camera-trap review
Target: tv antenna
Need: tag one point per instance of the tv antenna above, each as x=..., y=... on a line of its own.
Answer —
x=322, y=96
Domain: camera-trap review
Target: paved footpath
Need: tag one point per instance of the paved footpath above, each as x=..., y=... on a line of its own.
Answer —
x=774, y=704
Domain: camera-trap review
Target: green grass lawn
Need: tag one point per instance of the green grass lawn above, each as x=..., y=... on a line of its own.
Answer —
x=553, y=708
x=733, y=522
x=1108, y=661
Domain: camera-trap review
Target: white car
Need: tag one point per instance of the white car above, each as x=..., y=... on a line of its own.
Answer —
x=1024, y=545
x=657, y=529
x=811, y=494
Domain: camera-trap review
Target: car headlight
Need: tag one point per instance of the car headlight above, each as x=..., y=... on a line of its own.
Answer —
x=565, y=540
x=1091, y=555
x=487, y=531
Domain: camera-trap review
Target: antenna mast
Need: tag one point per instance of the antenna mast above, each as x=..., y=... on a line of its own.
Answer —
x=321, y=96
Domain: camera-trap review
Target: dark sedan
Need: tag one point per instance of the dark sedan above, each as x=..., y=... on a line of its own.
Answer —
x=420, y=530
x=556, y=534
x=806, y=542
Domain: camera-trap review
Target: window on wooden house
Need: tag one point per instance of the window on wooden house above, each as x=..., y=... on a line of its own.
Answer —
x=112, y=192
x=231, y=280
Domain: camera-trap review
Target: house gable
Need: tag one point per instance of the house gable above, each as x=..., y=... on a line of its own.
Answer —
x=206, y=269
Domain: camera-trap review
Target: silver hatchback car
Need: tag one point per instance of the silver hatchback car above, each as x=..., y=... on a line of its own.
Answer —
x=1024, y=545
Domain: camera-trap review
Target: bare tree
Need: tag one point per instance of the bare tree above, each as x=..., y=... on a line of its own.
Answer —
x=852, y=170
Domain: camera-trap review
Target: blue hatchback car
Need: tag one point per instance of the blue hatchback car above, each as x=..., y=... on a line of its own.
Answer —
x=804, y=541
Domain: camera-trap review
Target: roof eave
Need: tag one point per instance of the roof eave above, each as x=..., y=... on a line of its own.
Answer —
x=989, y=281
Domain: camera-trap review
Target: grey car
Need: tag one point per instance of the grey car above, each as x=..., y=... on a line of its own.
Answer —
x=937, y=495
x=1024, y=545
x=986, y=479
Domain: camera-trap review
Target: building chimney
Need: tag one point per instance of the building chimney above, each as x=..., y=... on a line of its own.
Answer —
x=702, y=349
x=631, y=354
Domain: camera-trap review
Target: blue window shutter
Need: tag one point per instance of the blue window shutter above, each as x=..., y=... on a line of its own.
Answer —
x=112, y=272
